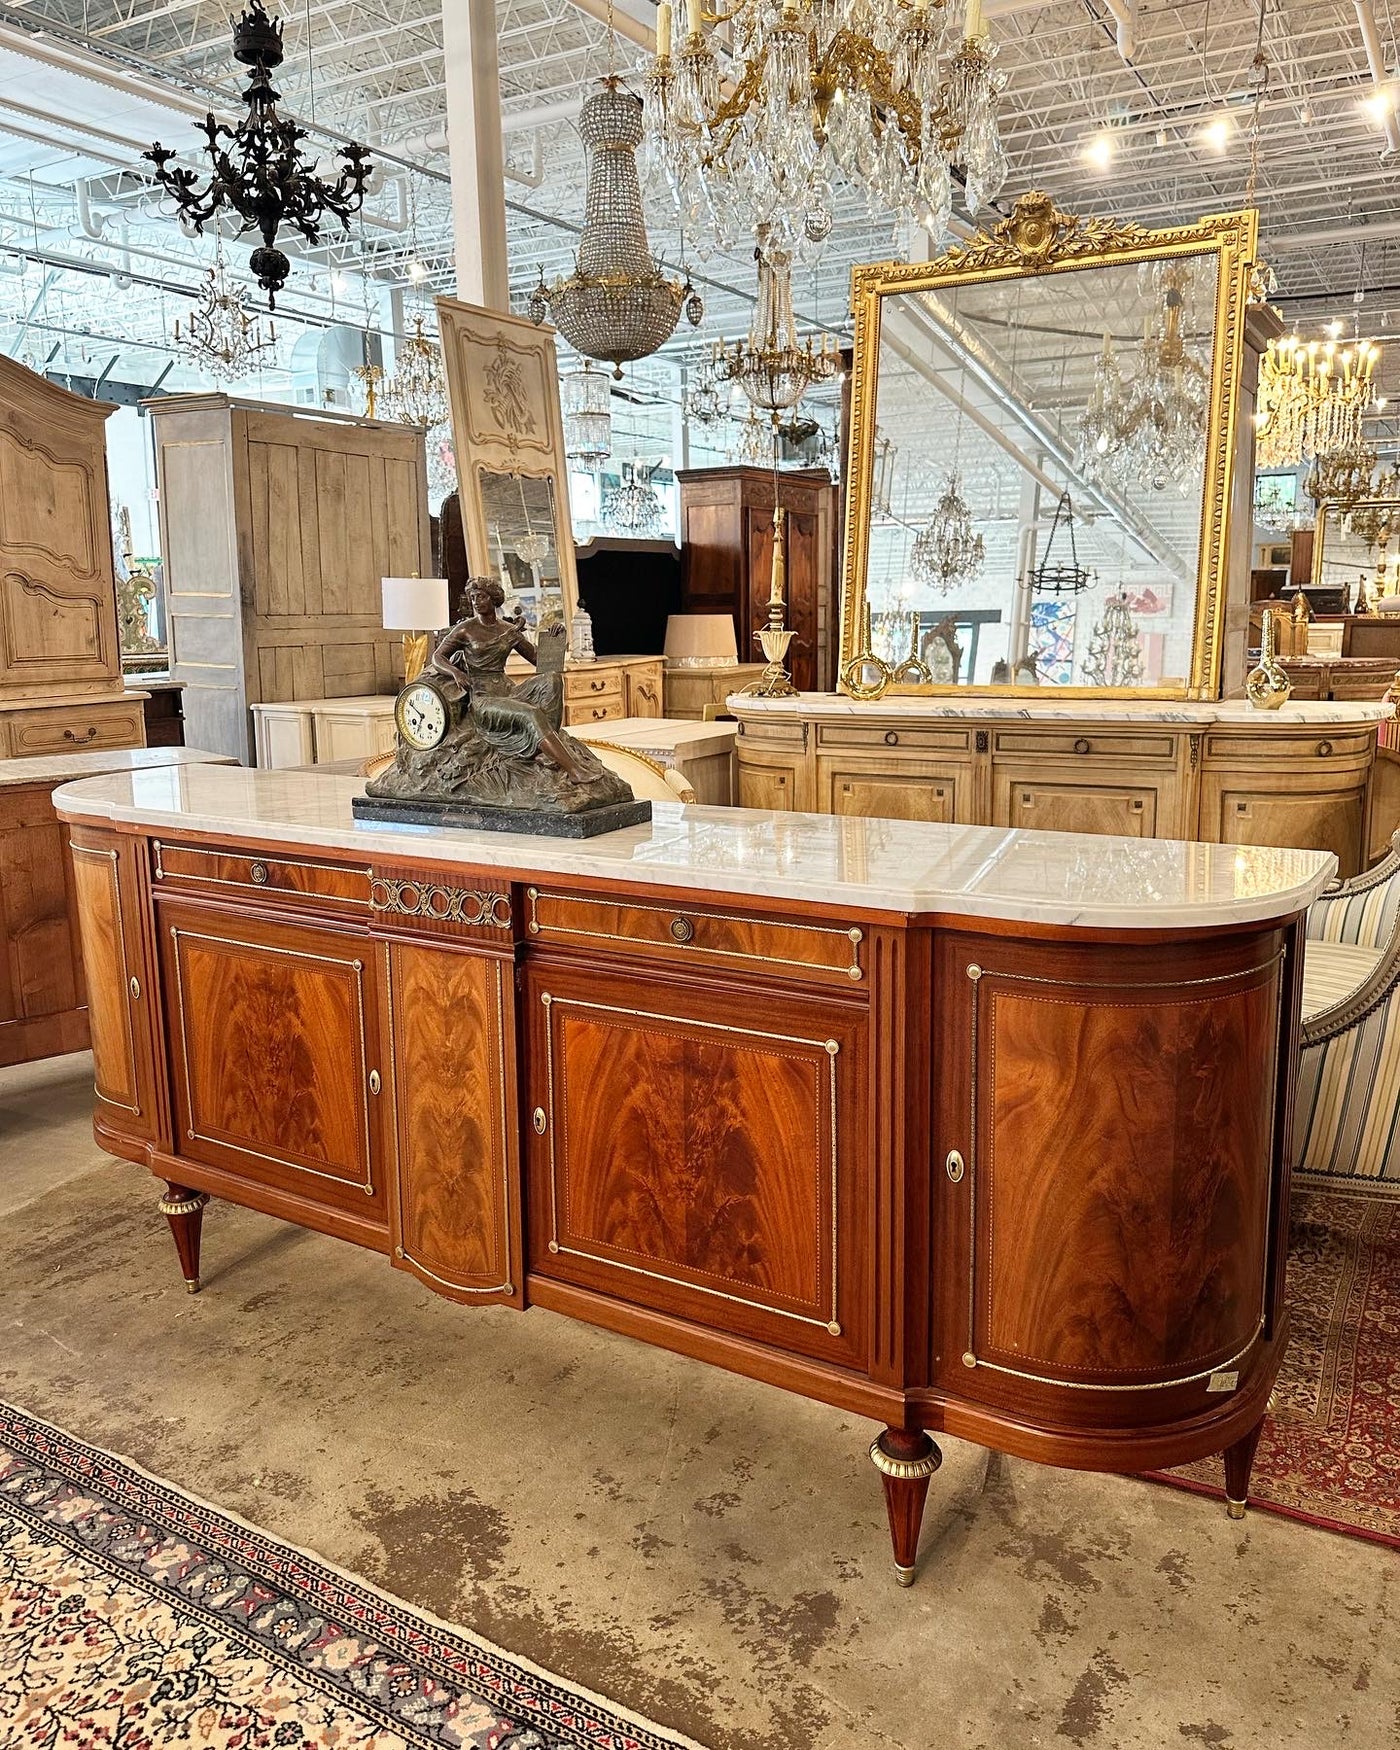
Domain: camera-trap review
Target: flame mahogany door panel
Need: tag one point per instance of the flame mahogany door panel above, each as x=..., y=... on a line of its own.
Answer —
x=111, y=899
x=1106, y=1221
x=274, y=1054
x=455, y=1210
x=700, y=1149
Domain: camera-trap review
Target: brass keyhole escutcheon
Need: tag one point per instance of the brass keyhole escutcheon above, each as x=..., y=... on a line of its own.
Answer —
x=538, y=1120
x=135, y=988
x=374, y=1082
x=259, y=873
x=955, y=1166
x=682, y=929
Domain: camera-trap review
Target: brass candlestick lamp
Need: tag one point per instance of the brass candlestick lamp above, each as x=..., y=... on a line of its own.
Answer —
x=774, y=638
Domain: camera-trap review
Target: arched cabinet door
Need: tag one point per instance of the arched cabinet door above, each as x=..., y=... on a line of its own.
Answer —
x=110, y=888
x=1110, y=1170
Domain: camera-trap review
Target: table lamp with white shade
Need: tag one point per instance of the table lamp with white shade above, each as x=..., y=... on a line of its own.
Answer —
x=417, y=607
x=701, y=641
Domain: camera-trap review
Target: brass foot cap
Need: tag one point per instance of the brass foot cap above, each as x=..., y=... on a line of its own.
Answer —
x=192, y=1285
x=1236, y=1509
x=905, y=1576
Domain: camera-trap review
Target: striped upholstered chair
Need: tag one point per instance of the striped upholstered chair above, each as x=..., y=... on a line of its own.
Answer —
x=1347, y=1121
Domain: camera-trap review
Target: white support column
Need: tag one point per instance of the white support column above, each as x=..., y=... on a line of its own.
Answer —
x=475, y=151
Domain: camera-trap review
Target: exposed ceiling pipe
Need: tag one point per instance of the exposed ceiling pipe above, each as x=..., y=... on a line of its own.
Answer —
x=1380, y=76
x=1124, y=12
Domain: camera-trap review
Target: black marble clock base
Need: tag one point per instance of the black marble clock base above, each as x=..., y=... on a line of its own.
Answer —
x=585, y=823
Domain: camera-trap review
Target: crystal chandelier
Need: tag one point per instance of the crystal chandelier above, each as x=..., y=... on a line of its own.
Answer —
x=1344, y=476
x=221, y=333
x=1114, y=657
x=705, y=402
x=774, y=368
x=752, y=118
x=1149, y=428
x=632, y=505
x=949, y=550
x=754, y=445
x=1375, y=522
x=617, y=305
x=1313, y=396
x=259, y=170
x=416, y=393
x=586, y=401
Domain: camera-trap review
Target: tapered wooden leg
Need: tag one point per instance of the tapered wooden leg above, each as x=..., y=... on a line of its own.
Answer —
x=906, y=1458
x=184, y=1210
x=1239, y=1461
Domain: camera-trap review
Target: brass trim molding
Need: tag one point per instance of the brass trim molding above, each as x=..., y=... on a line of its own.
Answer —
x=1036, y=238
x=119, y=923
x=904, y=1470
x=440, y=905
x=194, y=1135
x=855, y=936
x=831, y=1047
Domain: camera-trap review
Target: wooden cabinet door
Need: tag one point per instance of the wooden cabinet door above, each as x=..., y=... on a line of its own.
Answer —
x=41, y=998
x=1087, y=803
x=914, y=791
x=1107, y=1167
x=455, y=1209
x=644, y=689
x=764, y=785
x=274, y=1040
x=110, y=896
x=701, y=1151
x=1322, y=813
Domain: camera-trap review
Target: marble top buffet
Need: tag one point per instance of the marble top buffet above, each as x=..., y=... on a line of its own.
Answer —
x=786, y=1093
x=1215, y=771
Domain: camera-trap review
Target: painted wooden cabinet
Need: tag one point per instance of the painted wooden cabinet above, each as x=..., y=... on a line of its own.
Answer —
x=277, y=524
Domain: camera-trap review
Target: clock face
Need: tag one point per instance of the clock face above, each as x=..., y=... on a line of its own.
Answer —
x=421, y=714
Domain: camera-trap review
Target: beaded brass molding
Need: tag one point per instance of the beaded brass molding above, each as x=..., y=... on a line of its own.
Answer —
x=1037, y=238
x=441, y=905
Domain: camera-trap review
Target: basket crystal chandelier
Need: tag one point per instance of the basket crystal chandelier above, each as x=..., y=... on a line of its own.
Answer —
x=949, y=550
x=774, y=367
x=416, y=393
x=258, y=169
x=586, y=402
x=755, y=110
x=221, y=334
x=632, y=505
x=1313, y=396
x=617, y=305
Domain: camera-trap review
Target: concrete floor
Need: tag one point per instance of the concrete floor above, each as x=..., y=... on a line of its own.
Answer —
x=707, y=1551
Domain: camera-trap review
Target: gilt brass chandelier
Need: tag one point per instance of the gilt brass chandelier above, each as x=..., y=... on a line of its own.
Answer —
x=416, y=393
x=258, y=169
x=220, y=333
x=949, y=550
x=756, y=109
x=1313, y=396
x=775, y=367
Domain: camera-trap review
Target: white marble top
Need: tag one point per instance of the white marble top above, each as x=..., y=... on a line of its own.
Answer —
x=1192, y=711
x=660, y=735
x=59, y=768
x=865, y=865
x=366, y=704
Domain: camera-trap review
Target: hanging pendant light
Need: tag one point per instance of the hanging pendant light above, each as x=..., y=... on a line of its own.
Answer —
x=1053, y=577
x=416, y=394
x=259, y=169
x=221, y=334
x=586, y=401
x=949, y=550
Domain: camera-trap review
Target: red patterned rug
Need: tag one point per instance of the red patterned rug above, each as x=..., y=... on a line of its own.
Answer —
x=134, y=1617
x=1330, y=1453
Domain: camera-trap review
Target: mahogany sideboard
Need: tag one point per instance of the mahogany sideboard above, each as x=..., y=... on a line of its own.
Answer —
x=955, y=1128
x=43, y=995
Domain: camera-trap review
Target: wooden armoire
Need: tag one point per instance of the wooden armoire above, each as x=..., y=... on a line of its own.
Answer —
x=60, y=662
x=727, y=559
x=277, y=524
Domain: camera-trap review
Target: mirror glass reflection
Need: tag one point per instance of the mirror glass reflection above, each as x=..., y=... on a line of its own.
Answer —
x=520, y=516
x=1357, y=551
x=1038, y=488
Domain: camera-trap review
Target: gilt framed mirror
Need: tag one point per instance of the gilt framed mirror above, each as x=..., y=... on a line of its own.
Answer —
x=1356, y=550
x=508, y=433
x=1044, y=440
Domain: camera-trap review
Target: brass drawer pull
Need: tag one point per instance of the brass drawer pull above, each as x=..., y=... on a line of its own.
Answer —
x=374, y=1082
x=682, y=929
x=89, y=734
x=891, y=738
x=955, y=1166
x=597, y=685
x=259, y=873
x=1082, y=746
x=1324, y=748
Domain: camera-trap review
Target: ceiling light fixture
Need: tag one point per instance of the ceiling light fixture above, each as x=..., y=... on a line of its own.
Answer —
x=1099, y=151
x=1216, y=134
x=259, y=169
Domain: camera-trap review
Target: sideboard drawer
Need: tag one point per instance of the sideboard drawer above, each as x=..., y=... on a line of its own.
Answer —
x=826, y=952
x=195, y=869
x=1318, y=742
x=71, y=728
x=1072, y=743
x=582, y=684
x=927, y=737
x=604, y=708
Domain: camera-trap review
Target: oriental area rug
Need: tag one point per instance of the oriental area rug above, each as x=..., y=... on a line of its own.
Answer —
x=133, y=1617
x=1330, y=1452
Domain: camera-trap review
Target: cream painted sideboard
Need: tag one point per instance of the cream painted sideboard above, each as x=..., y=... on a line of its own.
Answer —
x=1219, y=772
